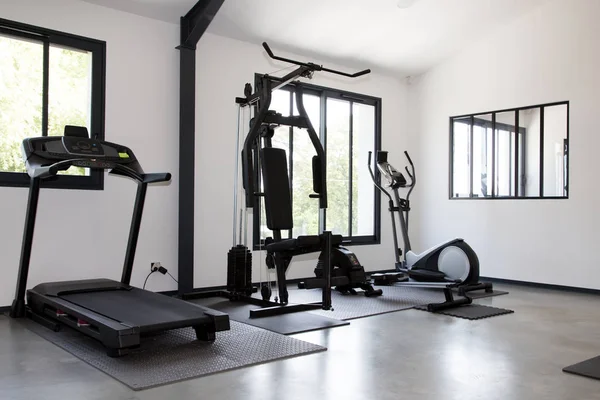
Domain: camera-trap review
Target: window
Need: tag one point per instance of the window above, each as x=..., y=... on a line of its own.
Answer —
x=348, y=125
x=517, y=153
x=48, y=80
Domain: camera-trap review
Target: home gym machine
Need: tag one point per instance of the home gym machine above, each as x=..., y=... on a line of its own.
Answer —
x=449, y=265
x=262, y=163
x=113, y=312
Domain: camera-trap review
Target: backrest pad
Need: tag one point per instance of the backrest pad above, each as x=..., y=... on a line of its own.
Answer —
x=278, y=201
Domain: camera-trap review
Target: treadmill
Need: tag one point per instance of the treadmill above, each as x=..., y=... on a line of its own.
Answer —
x=115, y=313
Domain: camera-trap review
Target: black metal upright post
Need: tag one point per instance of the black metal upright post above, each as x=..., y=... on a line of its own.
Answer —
x=134, y=232
x=193, y=26
x=516, y=165
x=471, y=158
x=18, y=306
x=541, y=152
x=493, y=154
x=326, y=299
x=187, y=149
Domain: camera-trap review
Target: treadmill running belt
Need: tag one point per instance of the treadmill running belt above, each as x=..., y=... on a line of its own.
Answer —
x=137, y=307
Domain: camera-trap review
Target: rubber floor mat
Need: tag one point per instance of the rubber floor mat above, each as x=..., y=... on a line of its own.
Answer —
x=394, y=298
x=588, y=368
x=176, y=355
x=286, y=324
x=471, y=311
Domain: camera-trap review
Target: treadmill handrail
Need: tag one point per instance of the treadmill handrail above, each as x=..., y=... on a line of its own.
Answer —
x=119, y=169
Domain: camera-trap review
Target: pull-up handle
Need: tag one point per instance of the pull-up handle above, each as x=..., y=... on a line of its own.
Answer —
x=313, y=66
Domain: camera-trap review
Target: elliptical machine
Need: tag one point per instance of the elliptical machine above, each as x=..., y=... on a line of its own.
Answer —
x=449, y=265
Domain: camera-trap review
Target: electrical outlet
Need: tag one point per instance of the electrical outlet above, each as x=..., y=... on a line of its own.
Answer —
x=154, y=266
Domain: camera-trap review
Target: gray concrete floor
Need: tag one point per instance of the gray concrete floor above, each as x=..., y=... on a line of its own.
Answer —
x=404, y=355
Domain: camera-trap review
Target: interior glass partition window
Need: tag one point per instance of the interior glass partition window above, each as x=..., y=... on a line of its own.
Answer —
x=508, y=154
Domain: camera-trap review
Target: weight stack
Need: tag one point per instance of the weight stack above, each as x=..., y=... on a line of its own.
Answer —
x=239, y=270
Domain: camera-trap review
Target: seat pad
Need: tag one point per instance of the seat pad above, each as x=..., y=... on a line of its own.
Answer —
x=301, y=243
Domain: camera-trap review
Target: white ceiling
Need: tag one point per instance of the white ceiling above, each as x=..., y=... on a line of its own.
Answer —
x=163, y=10
x=357, y=33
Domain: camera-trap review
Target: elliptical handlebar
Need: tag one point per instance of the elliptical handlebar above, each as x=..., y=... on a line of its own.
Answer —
x=411, y=174
x=377, y=185
x=408, y=157
x=312, y=66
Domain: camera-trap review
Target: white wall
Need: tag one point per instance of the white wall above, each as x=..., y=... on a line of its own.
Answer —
x=550, y=54
x=223, y=67
x=83, y=234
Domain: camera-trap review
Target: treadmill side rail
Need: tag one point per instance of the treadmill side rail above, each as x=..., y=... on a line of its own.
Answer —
x=220, y=319
x=111, y=333
x=94, y=313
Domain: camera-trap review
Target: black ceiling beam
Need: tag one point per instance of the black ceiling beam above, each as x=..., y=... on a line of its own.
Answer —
x=197, y=20
x=193, y=26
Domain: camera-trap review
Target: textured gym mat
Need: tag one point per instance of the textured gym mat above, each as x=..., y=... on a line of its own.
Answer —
x=175, y=355
x=471, y=311
x=394, y=298
x=286, y=324
x=588, y=368
x=347, y=307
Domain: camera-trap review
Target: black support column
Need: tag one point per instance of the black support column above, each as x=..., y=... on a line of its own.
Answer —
x=193, y=26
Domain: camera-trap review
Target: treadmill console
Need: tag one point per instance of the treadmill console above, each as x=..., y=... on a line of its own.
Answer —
x=83, y=146
x=45, y=156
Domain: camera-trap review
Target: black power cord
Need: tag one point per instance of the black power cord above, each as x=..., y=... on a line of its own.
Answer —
x=145, y=281
x=163, y=271
x=172, y=277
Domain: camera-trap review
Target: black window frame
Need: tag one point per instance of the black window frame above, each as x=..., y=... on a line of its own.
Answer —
x=324, y=92
x=518, y=180
x=48, y=37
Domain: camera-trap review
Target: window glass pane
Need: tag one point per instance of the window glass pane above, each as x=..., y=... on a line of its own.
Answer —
x=338, y=165
x=69, y=93
x=281, y=140
x=529, y=121
x=491, y=189
x=461, y=165
x=21, y=85
x=555, y=134
x=504, y=162
x=305, y=209
x=479, y=183
x=482, y=156
x=512, y=162
x=521, y=161
x=363, y=190
x=280, y=102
